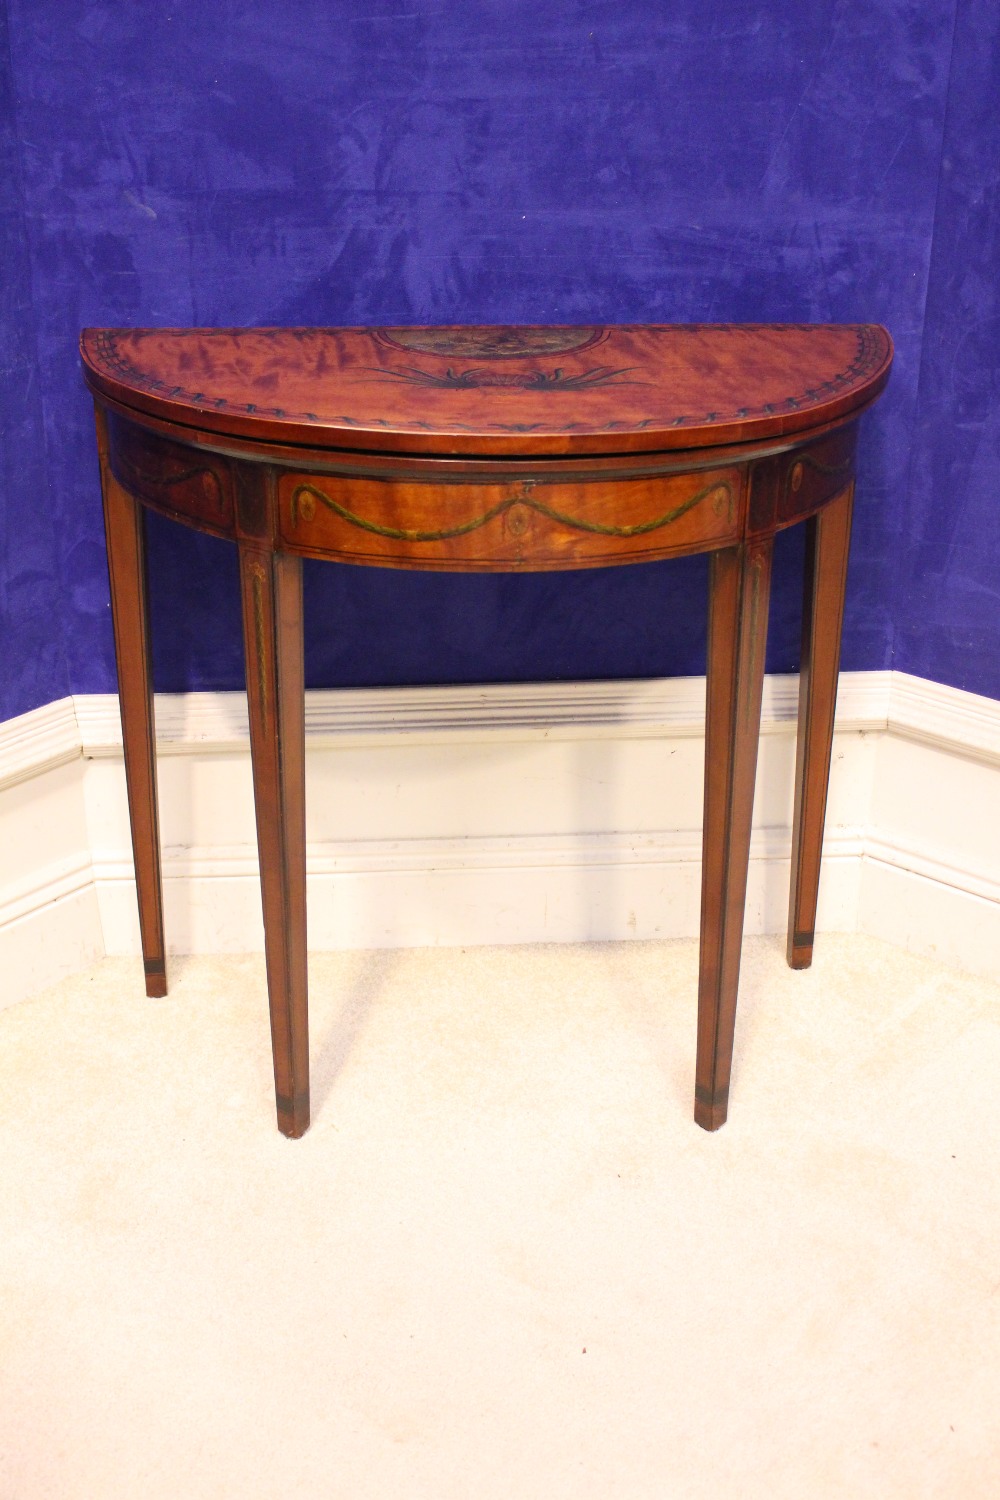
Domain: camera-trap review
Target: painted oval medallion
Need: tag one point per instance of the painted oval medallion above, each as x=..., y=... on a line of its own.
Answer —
x=491, y=343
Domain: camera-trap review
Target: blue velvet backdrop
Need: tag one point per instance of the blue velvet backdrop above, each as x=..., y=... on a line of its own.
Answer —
x=947, y=613
x=315, y=161
x=32, y=658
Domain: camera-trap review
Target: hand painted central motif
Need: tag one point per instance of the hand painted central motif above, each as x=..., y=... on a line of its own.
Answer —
x=521, y=380
x=491, y=343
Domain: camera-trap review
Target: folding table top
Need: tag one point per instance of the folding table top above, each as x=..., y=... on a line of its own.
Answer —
x=495, y=390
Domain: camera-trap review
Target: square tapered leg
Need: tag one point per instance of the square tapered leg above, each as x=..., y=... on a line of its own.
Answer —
x=739, y=592
x=126, y=542
x=272, y=633
x=827, y=541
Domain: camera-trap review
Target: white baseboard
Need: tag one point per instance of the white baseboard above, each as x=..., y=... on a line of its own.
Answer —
x=50, y=922
x=60, y=936
x=426, y=892
x=927, y=916
x=464, y=815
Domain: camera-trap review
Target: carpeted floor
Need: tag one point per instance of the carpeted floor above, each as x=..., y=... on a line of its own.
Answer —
x=504, y=1264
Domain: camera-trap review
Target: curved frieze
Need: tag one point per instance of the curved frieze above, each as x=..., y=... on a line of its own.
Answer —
x=170, y=477
x=305, y=497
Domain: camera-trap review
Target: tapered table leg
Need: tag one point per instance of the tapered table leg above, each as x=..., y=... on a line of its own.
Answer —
x=272, y=635
x=739, y=592
x=827, y=541
x=123, y=524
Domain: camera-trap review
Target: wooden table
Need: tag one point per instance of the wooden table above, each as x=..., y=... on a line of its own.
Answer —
x=480, y=450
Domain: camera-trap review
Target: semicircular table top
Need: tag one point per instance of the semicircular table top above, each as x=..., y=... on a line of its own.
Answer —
x=502, y=390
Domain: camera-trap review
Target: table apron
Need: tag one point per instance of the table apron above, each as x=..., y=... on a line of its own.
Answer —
x=462, y=522
x=522, y=523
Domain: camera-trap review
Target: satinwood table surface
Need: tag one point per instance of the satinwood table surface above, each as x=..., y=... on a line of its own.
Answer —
x=496, y=390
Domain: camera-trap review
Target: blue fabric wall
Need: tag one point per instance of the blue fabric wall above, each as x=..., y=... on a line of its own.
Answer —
x=948, y=606
x=32, y=621
x=317, y=161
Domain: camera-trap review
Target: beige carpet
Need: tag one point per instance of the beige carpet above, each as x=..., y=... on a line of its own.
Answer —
x=504, y=1262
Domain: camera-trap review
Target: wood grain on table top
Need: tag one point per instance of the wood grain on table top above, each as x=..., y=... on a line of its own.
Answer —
x=496, y=390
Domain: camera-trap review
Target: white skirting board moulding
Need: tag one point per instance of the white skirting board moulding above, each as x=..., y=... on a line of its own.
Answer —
x=553, y=812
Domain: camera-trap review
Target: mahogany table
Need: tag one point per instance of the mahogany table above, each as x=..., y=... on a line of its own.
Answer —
x=480, y=450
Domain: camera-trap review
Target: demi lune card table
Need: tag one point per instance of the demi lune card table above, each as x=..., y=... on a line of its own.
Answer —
x=483, y=450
